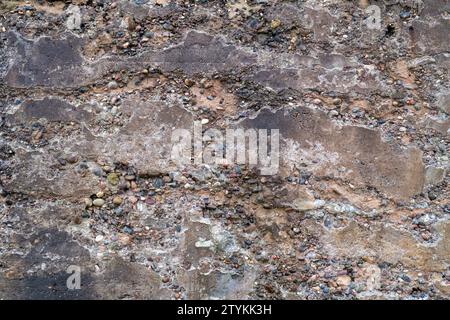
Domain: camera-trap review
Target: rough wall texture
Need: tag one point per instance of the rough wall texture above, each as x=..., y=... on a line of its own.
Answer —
x=91, y=91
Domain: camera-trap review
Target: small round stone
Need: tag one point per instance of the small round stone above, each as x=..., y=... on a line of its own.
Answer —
x=275, y=23
x=113, y=178
x=113, y=85
x=343, y=281
x=334, y=113
x=98, y=202
x=117, y=200
x=165, y=279
x=188, y=82
x=88, y=202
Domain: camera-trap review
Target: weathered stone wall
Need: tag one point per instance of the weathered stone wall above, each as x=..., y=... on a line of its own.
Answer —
x=91, y=91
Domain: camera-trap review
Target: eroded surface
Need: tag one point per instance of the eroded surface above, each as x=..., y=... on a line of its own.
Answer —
x=358, y=208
